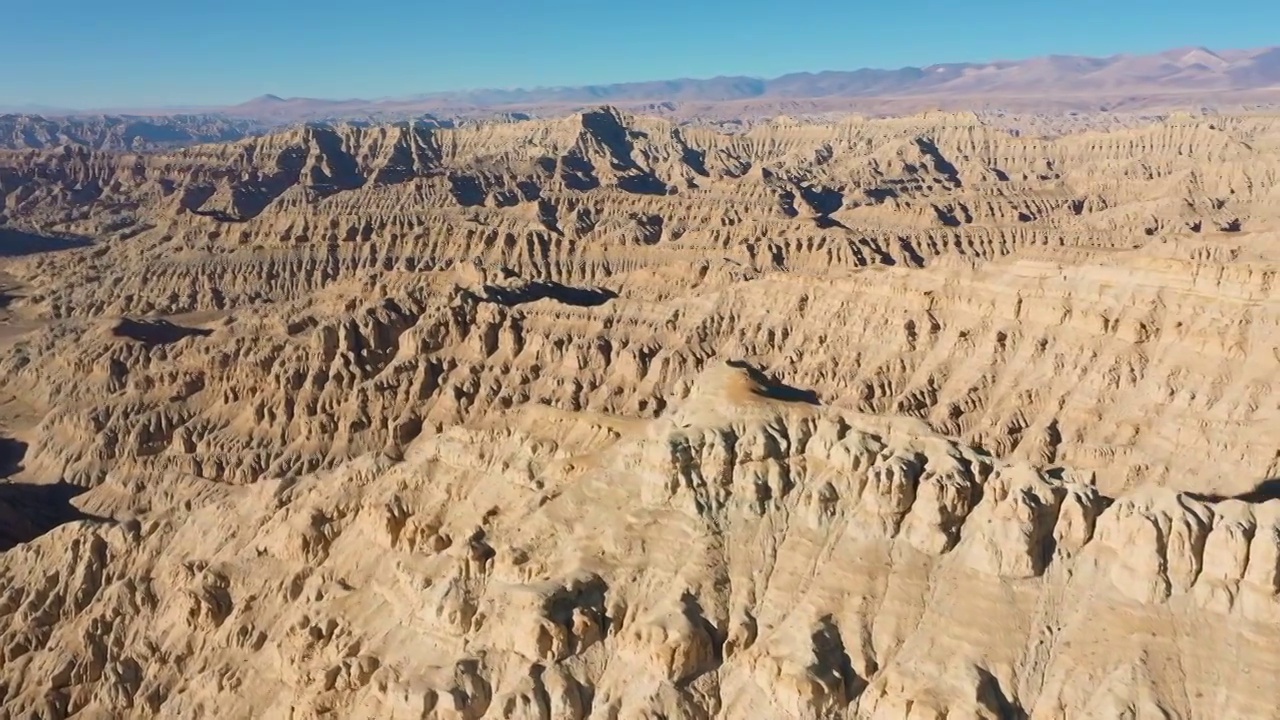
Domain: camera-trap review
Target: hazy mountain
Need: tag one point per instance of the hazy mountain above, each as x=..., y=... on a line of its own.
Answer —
x=1178, y=71
x=1188, y=77
x=122, y=132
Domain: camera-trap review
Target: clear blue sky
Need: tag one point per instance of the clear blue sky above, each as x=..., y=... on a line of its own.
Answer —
x=92, y=53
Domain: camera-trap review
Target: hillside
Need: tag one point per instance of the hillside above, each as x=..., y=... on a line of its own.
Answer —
x=607, y=416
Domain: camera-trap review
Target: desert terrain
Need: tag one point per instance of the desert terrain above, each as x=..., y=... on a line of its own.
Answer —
x=944, y=415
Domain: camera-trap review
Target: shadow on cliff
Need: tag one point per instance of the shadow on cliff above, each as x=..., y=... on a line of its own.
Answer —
x=250, y=196
x=612, y=133
x=1264, y=491
x=157, y=332
x=544, y=290
x=16, y=243
x=993, y=697
x=940, y=164
x=28, y=511
x=11, y=454
x=773, y=388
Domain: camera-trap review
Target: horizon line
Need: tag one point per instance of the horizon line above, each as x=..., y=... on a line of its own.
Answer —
x=37, y=108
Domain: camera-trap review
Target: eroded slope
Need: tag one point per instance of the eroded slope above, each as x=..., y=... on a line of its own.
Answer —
x=410, y=421
x=744, y=556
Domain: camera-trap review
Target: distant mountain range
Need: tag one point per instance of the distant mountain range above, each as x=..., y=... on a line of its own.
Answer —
x=118, y=132
x=1179, y=77
x=1181, y=70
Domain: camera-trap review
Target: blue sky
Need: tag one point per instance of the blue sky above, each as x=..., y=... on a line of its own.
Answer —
x=90, y=53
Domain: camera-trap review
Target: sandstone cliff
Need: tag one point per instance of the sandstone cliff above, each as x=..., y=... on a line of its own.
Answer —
x=607, y=417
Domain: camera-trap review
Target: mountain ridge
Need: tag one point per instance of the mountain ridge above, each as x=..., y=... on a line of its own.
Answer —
x=866, y=81
x=1179, y=77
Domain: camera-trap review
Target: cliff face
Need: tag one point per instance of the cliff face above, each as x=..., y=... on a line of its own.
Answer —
x=743, y=556
x=605, y=417
x=1103, y=300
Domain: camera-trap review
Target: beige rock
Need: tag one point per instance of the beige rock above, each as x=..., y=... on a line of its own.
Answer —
x=608, y=417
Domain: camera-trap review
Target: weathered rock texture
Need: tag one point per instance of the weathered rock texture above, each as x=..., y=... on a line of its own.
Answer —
x=604, y=417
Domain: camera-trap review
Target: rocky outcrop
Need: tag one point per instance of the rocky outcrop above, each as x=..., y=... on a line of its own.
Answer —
x=603, y=417
x=740, y=555
x=1056, y=324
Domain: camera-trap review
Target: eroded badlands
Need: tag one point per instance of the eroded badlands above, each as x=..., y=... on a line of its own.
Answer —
x=606, y=417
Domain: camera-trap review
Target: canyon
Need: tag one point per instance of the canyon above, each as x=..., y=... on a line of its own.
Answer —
x=613, y=416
